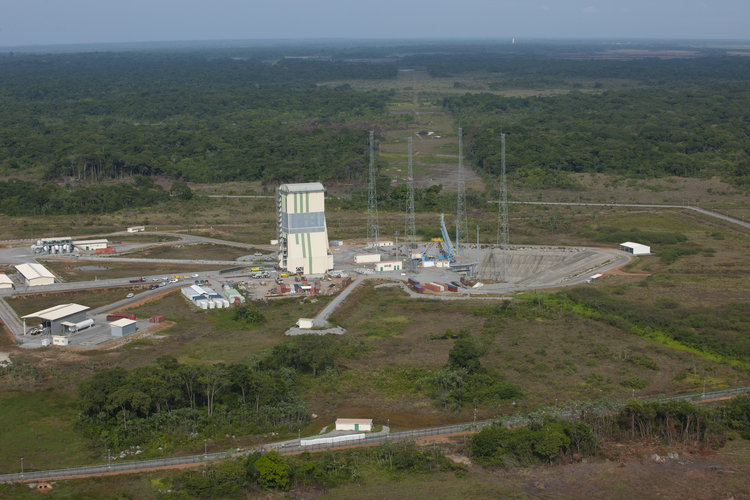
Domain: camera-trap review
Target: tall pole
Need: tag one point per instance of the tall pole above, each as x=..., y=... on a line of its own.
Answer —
x=372, y=200
x=411, y=226
x=21, y=466
x=462, y=230
x=504, y=204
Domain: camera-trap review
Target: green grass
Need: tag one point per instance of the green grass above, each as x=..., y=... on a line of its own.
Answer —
x=40, y=426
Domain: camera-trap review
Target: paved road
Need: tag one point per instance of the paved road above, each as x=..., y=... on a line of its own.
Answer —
x=290, y=447
x=700, y=210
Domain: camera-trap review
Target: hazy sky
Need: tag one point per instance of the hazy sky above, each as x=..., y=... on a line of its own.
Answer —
x=52, y=22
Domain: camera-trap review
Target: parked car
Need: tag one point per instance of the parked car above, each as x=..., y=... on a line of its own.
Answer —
x=130, y=295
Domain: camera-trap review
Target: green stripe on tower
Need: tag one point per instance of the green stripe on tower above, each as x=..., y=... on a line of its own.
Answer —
x=309, y=252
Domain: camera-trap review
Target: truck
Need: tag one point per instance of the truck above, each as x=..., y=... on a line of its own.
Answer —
x=138, y=280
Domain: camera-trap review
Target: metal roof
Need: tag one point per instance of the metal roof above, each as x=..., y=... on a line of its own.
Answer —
x=57, y=312
x=89, y=242
x=353, y=421
x=122, y=322
x=33, y=270
x=306, y=187
x=635, y=246
x=4, y=279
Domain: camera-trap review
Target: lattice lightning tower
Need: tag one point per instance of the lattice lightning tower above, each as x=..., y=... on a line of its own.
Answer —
x=411, y=226
x=462, y=225
x=372, y=200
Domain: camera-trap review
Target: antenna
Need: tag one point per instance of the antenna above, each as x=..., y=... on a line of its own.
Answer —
x=503, y=209
x=462, y=226
x=372, y=200
x=411, y=226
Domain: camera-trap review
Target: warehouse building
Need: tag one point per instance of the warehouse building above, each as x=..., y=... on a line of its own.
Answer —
x=301, y=228
x=5, y=282
x=34, y=274
x=57, y=320
x=635, y=248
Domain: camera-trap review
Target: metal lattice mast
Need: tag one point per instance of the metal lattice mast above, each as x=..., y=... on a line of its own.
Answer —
x=372, y=200
x=462, y=225
x=504, y=205
x=411, y=225
x=504, y=192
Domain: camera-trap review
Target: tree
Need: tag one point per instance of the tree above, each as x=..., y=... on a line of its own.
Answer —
x=465, y=354
x=273, y=471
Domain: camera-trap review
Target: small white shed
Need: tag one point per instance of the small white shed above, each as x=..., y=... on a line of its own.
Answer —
x=389, y=265
x=354, y=424
x=635, y=248
x=60, y=340
x=305, y=323
x=123, y=327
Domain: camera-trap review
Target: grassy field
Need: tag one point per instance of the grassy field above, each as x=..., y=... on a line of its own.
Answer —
x=70, y=270
x=207, y=251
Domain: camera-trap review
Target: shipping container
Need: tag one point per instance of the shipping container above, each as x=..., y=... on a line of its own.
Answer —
x=156, y=319
x=412, y=281
x=450, y=287
x=116, y=316
x=105, y=250
x=418, y=288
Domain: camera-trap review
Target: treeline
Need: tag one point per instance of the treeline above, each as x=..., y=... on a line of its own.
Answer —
x=171, y=402
x=29, y=198
x=270, y=471
x=549, y=439
x=695, y=132
x=544, y=440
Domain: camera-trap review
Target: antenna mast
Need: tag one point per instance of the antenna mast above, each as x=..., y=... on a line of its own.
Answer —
x=372, y=200
x=411, y=226
x=502, y=211
x=462, y=225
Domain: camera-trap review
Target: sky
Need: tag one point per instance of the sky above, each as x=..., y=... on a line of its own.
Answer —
x=62, y=22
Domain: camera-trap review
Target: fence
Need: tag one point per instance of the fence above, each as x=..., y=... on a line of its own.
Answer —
x=290, y=448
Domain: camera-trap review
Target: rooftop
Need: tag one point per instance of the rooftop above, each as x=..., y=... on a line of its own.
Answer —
x=122, y=322
x=306, y=187
x=33, y=270
x=57, y=312
x=4, y=279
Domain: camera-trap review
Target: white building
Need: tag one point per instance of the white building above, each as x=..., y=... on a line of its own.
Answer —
x=34, y=274
x=123, y=326
x=635, y=248
x=301, y=228
x=5, y=281
x=89, y=245
x=305, y=323
x=366, y=258
x=390, y=265
x=354, y=424
x=136, y=229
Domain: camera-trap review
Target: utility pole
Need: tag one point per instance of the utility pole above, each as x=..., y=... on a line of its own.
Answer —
x=372, y=200
x=21, y=466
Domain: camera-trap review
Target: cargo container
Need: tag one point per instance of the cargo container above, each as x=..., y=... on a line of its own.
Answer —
x=156, y=319
x=418, y=288
x=450, y=287
x=116, y=316
x=105, y=250
x=412, y=281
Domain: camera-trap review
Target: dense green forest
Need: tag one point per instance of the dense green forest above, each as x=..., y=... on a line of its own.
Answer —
x=261, y=114
x=646, y=133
